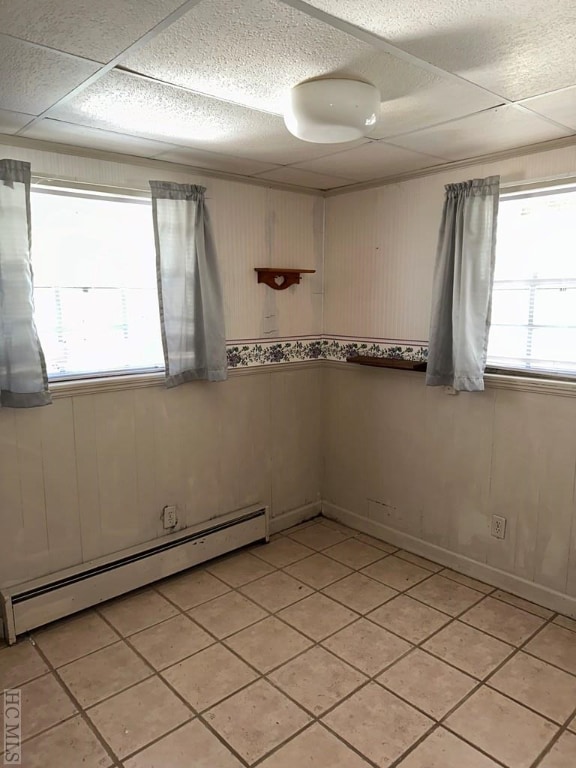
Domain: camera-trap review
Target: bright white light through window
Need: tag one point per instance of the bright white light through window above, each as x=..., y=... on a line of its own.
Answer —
x=534, y=297
x=96, y=304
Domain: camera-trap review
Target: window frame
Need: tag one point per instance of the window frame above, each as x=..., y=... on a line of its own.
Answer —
x=517, y=191
x=89, y=191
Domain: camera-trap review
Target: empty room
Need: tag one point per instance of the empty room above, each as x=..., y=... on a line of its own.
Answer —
x=287, y=370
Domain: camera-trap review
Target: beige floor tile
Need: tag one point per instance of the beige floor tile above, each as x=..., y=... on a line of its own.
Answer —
x=20, y=663
x=314, y=748
x=409, y=618
x=446, y=595
x=282, y=551
x=239, y=569
x=427, y=683
x=69, y=745
x=378, y=724
x=318, y=616
x=170, y=642
x=300, y=526
x=70, y=639
x=537, y=610
x=354, y=553
x=227, y=614
x=103, y=673
x=132, y=719
x=268, y=644
x=44, y=703
x=562, y=754
x=421, y=561
x=505, y=730
x=137, y=611
x=468, y=581
x=317, y=680
x=502, y=620
x=336, y=526
x=396, y=573
x=192, y=741
x=209, y=676
x=383, y=545
x=565, y=622
x=318, y=571
x=276, y=591
x=256, y=720
x=444, y=750
x=572, y=725
x=468, y=649
x=555, y=645
x=537, y=685
x=366, y=646
x=192, y=588
x=360, y=593
x=319, y=536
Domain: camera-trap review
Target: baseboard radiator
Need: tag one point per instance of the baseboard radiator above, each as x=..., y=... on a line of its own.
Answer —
x=35, y=603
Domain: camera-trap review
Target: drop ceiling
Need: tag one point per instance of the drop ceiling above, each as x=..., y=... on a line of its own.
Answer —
x=202, y=82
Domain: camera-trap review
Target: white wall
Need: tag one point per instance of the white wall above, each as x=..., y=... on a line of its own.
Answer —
x=415, y=459
x=89, y=475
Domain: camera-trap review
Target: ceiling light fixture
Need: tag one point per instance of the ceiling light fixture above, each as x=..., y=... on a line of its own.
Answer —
x=332, y=110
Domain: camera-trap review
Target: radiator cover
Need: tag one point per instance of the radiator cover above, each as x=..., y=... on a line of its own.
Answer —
x=38, y=602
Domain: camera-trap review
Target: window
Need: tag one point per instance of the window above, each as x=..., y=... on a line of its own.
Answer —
x=534, y=297
x=96, y=303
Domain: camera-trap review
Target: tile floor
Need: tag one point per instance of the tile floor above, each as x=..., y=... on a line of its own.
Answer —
x=323, y=649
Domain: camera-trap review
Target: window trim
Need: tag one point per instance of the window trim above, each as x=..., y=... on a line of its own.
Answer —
x=540, y=379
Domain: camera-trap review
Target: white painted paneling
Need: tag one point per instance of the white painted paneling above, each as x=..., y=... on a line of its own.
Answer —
x=417, y=460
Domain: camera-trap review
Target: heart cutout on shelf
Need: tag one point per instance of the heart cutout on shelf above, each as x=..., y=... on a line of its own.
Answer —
x=279, y=280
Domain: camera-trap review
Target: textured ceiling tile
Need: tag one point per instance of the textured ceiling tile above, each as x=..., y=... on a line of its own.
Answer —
x=493, y=131
x=253, y=51
x=94, y=138
x=559, y=106
x=127, y=104
x=10, y=122
x=32, y=79
x=304, y=178
x=517, y=48
x=95, y=29
x=372, y=161
x=198, y=158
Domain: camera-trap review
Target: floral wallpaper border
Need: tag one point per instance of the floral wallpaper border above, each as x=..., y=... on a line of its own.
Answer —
x=275, y=351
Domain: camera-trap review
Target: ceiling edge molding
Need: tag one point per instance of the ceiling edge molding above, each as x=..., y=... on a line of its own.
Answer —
x=136, y=160
x=530, y=149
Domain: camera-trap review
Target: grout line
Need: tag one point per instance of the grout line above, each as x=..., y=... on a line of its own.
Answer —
x=259, y=675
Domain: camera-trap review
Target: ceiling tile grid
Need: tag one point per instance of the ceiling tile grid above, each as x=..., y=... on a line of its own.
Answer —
x=203, y=82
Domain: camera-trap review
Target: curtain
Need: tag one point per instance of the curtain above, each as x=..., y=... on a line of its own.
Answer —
x=23, y=379
x=189, y=292
x=462, y=293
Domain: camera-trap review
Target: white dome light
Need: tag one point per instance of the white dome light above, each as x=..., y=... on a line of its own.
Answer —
x=331, y=111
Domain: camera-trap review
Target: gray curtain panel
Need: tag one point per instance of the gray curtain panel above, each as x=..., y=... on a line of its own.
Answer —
x=23, y=380
x=189, y=292
x=462, y=293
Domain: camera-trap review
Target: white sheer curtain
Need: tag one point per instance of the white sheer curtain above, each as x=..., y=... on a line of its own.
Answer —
x=23, y=380
x=189, y=291
x=462, y=293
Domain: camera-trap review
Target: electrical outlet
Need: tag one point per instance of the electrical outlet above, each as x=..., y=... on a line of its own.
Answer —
x=498, y=529
x=169, y=517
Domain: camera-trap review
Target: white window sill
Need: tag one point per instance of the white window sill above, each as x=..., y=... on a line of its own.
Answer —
x=524, y=384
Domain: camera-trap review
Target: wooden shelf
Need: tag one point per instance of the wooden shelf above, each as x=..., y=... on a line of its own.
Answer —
x=387, y=362
x=280, y=278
